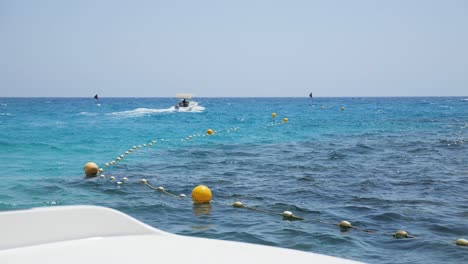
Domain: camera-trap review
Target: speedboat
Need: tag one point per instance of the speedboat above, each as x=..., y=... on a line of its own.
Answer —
x=93, y=234
x=185, y=105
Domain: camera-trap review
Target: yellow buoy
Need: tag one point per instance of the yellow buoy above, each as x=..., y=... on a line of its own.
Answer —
x=285, y=120
x=273, y=115
x=462, y=242
x=201, y=194
x=209, y=131
x=91, y=169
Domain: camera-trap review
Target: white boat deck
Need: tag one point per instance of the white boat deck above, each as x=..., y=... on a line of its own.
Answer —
x=91, y=234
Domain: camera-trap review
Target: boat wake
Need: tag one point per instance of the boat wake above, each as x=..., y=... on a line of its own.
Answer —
x=150, y=111
x=140, y=112
x=193, y=109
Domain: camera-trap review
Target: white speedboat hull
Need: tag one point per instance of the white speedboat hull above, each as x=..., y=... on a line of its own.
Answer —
x=91, y=234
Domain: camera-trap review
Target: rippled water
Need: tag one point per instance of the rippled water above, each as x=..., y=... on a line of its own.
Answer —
x=383, y=164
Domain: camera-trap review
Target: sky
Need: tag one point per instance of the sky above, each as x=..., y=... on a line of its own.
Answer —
x=235, y=48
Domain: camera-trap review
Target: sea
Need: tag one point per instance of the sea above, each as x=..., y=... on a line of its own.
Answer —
x=382, y=164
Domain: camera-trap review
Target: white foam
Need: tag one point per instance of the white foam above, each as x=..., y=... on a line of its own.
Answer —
x=195, y=109
x=88, y=114
x=142, y=112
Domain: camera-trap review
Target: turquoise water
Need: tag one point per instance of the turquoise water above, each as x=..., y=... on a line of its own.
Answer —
x=382, y=164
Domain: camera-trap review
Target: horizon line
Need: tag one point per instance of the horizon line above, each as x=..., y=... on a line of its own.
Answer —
x=307, y=97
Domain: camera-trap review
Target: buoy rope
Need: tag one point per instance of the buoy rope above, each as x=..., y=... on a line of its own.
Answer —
x=287, y=215
x=161, y=189
x=260, y=210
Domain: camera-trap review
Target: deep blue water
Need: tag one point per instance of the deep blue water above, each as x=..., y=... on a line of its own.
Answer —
x=382, y=164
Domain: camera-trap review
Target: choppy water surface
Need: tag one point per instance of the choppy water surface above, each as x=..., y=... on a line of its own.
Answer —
x=383, y=164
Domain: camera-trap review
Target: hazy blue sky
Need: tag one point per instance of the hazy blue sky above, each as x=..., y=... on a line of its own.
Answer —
x=234, y=48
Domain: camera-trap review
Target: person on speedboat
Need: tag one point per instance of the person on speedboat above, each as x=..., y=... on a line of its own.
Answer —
x=184, y=103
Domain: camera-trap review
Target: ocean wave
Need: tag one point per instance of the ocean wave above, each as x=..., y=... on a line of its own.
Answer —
x=336, y=156
x=5, y=114
x=88, y=114
x=452, y=142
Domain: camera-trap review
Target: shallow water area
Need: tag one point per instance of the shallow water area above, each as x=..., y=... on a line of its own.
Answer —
x=383, y=164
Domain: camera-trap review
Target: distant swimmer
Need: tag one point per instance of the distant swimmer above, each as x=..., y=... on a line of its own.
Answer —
x=310, y=95
x=96, y=97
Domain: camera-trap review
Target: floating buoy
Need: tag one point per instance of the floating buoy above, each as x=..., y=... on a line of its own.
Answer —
x=119, y=182
x=287, y=214
x=285, y=120
x=323, y=107
x=144, y=181
x=101, y=170
x=182, y=195
x=462, y=242
x=103, y=176
x=107, y=164
x=160, y=188
x=238, y=204
x=273, y=115
x=209, y=131
x=91, y=169
x=201, y=194
x=342, y=108
x=124, y=179
x=112, y=178
x=401, y=234
x=345, y=224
